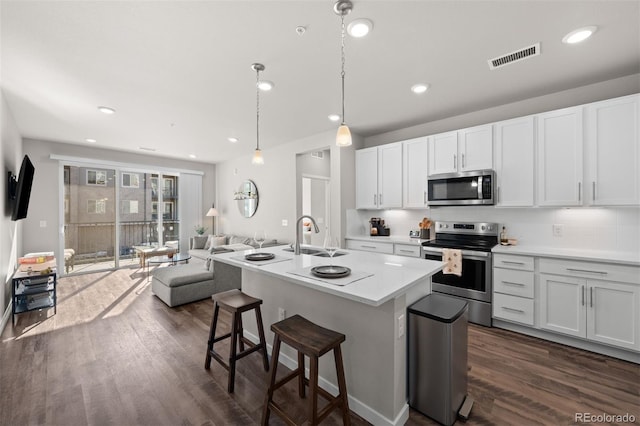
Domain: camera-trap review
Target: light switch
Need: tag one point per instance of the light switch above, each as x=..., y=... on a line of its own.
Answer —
x=43, y=224
x=285, y=222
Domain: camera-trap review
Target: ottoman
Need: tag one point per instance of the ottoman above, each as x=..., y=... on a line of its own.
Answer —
x=180, y=284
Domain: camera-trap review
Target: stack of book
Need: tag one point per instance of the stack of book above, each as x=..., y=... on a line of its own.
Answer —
x=37, y=262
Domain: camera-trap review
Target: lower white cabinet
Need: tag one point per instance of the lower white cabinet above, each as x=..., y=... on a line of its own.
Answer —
x=581, y=299
x=410, y=250
x=374, y=246
x=513, y=288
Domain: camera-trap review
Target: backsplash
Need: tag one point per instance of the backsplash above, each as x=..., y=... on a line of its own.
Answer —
x=611, y=228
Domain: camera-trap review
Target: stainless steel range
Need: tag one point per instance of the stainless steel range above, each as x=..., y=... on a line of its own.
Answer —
x=475, y=240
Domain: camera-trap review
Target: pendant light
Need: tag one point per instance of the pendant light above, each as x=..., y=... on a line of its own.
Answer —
x=343, y=8
x=257, y=154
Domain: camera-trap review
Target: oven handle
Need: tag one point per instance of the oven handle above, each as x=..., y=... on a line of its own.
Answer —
x=465, y=253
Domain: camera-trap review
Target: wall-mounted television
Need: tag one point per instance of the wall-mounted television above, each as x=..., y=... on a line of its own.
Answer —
x=20, y=189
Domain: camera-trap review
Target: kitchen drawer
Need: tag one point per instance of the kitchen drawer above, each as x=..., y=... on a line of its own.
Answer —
x=514, y=282
x=513, y=308
x=406, y=250
x=591, y=270
x=375, y=246
x=510, y=261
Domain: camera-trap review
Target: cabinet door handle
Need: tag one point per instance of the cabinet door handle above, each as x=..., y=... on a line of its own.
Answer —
x=587, y=271
x=369, y=247
x=593, y=190
x=498, y=195
x=512, y=283
x=375, y=199
x=591, y=297
x=405, y=251
x=455, y=161
x=380, y=198
x=579, y=191
x=511, y=262
x=424, y=197
x=506, y=308
x=463, y=163
x=582, y=291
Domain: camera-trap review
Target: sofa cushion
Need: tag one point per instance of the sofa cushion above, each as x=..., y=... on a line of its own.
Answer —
x=179, y=275
x=199, y=241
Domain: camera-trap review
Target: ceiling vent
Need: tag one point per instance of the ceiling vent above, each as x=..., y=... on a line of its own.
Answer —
x=518, y=55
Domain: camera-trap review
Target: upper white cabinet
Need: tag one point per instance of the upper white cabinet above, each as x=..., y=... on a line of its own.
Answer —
x=414, y=173
x=514, y=154
x=462, y=150
x=379, y=177
x=560, y=157
x=612, y=152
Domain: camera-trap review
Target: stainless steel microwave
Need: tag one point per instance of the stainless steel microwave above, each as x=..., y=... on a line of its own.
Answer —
x=464, y=188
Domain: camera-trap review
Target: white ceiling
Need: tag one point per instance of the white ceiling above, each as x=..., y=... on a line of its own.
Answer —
x=179, y=72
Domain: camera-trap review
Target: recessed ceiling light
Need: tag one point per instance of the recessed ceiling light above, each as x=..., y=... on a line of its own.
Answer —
x=334, y=117
x=106, y=110
x=359, y=27
x=265, y=85
x=581, y=34
x=419, y=88
x=232, y=140
x=192, y=156
x=91, y=140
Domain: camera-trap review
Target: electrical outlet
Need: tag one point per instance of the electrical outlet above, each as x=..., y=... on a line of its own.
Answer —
x=43, y=224
x=401, y=325
x=557, y=230
x=282, y=314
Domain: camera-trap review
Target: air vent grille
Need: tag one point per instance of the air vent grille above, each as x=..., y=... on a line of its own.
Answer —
x=518, y=55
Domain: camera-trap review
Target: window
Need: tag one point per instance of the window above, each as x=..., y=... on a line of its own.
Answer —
x=130, y=180
x=96, y=206
x=168, y=209
x=129, y=206
x=97, y=177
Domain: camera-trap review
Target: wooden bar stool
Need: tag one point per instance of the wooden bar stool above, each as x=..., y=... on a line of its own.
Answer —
x=313, y=341
x=235, y=302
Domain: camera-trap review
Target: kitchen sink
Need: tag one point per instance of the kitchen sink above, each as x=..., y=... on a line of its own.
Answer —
x=314, y=252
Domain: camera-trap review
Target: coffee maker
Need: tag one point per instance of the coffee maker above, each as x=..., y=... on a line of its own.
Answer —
x=378, y=228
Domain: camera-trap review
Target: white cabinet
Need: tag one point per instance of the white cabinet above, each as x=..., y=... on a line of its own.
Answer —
x=599, y=302
x=414, y=173
x=560, y=157
x=613, y=152
x=374, y=246
x=411, y=250
x=513, y=288
x=379, y=177
x=462, y=150
x=514, y=165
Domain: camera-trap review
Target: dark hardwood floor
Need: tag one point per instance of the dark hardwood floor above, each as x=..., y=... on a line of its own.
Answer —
x=116, y=355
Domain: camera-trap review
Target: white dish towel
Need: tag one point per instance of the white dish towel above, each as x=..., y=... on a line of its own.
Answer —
x=452, y=259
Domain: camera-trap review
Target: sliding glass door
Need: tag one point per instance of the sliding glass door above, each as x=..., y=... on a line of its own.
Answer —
x=141, y=206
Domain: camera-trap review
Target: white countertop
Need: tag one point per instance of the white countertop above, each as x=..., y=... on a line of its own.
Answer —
x=623, y=258
x=393, y=239
x=392, y=275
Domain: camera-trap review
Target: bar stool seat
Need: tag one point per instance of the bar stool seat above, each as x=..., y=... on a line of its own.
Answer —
x=313, y=341
x=235, y=302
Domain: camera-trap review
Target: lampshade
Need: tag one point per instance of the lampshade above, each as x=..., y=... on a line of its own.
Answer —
x=212, y=212
x=257, y=157
x=343, y=138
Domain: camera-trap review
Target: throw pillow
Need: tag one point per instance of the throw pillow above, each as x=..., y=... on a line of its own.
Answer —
x=214, y=241
x=199, y=241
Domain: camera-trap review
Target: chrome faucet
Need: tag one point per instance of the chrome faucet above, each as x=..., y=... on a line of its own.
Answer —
x=296, y=249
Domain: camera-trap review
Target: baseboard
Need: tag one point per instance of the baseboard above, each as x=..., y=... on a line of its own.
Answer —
x=6, y=316
x=355, y=405
x=570, y=341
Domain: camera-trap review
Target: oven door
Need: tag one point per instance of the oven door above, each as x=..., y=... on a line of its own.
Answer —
x=475, y=281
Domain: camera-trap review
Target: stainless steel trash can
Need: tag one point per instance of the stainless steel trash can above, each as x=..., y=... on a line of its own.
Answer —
x=437, y=364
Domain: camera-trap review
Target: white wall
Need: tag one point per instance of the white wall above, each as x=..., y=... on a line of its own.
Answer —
x=45, y=192
x=10, y=232
x=611, y=228
x=278, y=187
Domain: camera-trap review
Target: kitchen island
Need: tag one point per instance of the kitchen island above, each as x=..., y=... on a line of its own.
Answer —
x=370, y=311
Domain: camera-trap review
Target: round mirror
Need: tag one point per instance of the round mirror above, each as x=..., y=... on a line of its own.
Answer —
x=247, y=198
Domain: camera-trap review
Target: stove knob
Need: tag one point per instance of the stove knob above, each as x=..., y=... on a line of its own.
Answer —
x=482, y=227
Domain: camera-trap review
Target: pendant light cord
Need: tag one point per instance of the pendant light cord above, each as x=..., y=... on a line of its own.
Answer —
x=343, y=61
x=257, y=110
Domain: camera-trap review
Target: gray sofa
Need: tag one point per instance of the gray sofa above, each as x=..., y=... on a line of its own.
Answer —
x=180, y=284
x=223, y=243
